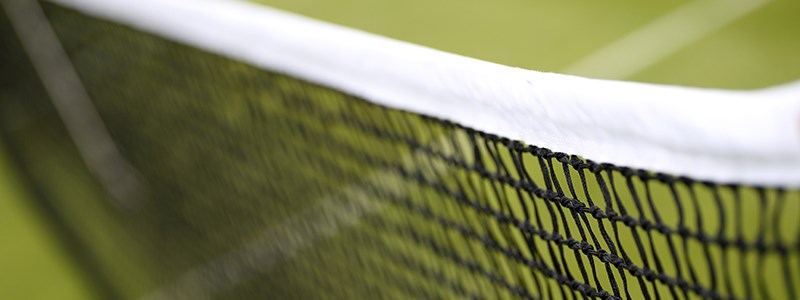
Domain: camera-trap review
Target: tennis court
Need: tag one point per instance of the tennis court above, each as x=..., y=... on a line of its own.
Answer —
x=457, y=220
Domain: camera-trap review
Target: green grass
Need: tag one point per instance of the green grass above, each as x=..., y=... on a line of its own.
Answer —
x=756, y=50
x=229, y=155
x=34, y=262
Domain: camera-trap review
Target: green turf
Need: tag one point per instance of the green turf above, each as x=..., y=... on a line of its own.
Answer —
x=536, y=34
x=756, y=50
x=35, y=265
x=195, y=158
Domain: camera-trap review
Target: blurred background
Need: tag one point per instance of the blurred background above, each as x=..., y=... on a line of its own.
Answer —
x=731, y=44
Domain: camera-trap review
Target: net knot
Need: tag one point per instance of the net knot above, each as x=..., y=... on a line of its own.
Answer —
x=612, y=259
x=561, y=157
x=605, y=295
x=638, y=272
x=572, y=243
x=761, y=247
x=664, y=178
x=516, y=145
x=526, y=225
x=564, y=201
x=543, y=152
x=595, y=167
x=516, y=184
x=627, y=172
x=574, y=205
x=630, y=221
x=580, y=287
x=596, y=211
x=645, y=223
x=683, y=231
x=505, y=141
x=577, y=162
x=555, y=237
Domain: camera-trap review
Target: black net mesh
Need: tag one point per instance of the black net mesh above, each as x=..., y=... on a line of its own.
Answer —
x=260, y=185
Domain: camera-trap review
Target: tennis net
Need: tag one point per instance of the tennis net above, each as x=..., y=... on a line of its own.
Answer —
x=237, y=151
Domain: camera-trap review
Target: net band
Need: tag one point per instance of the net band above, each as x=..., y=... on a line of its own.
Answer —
x=748, y=137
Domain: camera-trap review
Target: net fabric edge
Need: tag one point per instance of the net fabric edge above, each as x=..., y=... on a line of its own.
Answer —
x=745, y=137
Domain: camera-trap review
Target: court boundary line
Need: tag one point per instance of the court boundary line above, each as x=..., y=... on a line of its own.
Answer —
x=662, y=37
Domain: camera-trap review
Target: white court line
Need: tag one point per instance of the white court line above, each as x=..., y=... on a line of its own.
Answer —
x=284, y=241
x=72, y=103
x=274, y=245
x=664, y=36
